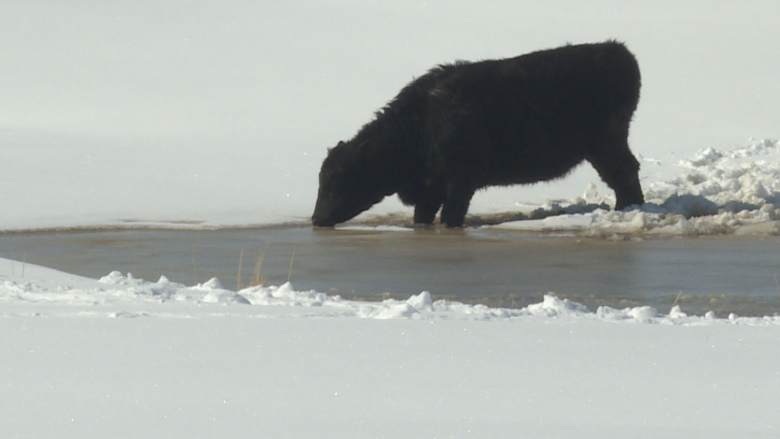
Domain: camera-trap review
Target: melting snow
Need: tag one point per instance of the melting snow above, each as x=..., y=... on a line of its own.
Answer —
x=736, y=191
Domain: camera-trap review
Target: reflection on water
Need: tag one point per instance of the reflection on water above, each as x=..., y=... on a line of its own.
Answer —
x=495, y=268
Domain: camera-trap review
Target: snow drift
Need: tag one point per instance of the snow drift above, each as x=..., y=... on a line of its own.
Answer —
x=713, y=192
x=48, y=286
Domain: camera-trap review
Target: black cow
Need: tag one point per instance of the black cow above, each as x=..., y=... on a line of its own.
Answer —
x=469, y=125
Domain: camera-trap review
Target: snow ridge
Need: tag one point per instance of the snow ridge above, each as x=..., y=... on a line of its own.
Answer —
x=117, y=289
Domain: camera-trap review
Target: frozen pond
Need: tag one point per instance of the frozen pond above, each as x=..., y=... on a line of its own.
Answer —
x=497, y=268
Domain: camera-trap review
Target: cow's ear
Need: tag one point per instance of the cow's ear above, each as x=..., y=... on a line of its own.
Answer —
x=341, y=143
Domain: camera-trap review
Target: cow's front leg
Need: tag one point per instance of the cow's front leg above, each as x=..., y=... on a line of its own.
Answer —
x=425, y=212
x=430, y=199
x=453, y=213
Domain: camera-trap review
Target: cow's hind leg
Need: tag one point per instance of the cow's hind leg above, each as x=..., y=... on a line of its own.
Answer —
x=619, y=169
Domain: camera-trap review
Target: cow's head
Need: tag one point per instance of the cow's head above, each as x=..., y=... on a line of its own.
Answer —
x=349, y=184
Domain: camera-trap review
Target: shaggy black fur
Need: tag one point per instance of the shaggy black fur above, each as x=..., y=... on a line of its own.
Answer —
x=466, y=126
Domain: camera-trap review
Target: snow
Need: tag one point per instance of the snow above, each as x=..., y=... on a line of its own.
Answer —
x=40, y=285
x=125, y=357
x=152, y=114
x=713, y=192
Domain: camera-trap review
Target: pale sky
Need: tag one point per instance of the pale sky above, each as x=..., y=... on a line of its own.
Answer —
x=245, y=87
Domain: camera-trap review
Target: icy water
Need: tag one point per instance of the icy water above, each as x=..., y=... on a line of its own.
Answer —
x=495, y=268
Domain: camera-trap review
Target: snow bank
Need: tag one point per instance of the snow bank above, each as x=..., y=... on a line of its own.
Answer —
x=117, y=289
x=714, y=192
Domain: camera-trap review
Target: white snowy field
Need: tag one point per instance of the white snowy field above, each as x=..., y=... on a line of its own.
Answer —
x=122, y=357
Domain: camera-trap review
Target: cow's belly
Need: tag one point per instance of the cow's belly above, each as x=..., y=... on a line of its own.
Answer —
x=532, y=167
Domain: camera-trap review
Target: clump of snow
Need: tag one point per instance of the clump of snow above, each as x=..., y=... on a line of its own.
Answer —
x=216, y=293
x=742, y=178
x=393, y=309
x=286, y=295
x=554, y=307
x=117, y=278
x=714, y=192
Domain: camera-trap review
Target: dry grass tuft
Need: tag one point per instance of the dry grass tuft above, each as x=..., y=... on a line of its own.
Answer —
x=675, y=300
x=240, y=268
x=257, y=277
x=289, y=274
x=777, y=284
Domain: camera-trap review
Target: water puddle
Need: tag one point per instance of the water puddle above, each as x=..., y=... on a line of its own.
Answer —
x=492, y=267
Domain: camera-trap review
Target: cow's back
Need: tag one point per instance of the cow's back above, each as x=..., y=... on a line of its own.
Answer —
x=531, y=117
